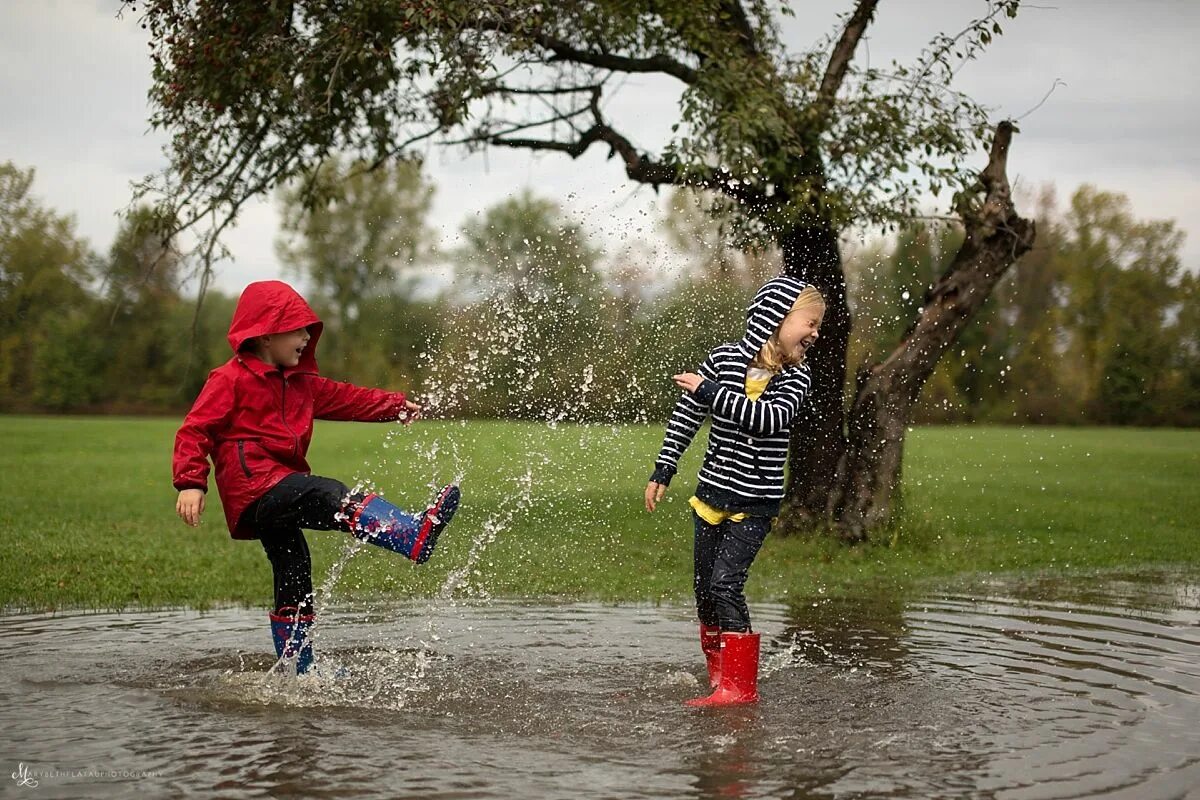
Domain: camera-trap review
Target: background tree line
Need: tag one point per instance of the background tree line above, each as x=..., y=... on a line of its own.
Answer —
x=1098, y=324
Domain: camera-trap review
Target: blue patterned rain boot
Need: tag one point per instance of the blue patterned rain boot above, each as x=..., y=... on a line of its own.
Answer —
x=379, y=522
x=290, y=631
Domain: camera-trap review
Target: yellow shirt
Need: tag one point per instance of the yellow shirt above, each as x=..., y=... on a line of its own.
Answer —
x=756, y=383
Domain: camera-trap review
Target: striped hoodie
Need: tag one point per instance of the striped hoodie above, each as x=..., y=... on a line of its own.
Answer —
x=748, y=442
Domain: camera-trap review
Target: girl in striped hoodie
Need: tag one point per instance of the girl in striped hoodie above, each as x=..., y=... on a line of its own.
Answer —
x=753, y=389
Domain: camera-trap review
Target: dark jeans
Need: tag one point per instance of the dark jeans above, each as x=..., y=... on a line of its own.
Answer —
x=723, y=554
x=298, y=501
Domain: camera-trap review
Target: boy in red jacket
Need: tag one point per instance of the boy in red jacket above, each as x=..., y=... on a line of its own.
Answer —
x=254, y=419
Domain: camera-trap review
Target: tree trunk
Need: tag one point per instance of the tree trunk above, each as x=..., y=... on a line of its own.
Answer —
x=868, y=472
x=817, y=440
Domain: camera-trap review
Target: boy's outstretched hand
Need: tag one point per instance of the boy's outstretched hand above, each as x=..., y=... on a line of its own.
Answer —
x=412, y=412
x=654, y=493
x=190, y=506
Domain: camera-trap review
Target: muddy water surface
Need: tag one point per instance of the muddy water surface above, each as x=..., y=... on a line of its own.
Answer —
x=999, y=689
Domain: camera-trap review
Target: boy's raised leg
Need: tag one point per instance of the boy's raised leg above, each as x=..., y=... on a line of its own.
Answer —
x=380, y=523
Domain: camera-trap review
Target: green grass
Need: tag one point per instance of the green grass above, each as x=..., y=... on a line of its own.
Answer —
x=87, y=514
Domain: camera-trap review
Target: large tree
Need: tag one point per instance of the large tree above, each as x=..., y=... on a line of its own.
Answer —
x=804, y=145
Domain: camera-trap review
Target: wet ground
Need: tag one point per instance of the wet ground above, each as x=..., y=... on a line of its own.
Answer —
x=1050, y=688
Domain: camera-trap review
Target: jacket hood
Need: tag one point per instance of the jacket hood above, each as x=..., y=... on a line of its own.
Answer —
x=765, y=313
x=267, y=307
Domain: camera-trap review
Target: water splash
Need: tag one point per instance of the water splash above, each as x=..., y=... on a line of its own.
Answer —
x=512, y=356
x=502, y=519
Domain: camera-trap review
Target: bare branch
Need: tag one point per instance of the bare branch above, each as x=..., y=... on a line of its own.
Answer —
x=947, y=42
x=843, y=52
x=1057, y=82
x=660, y=63
x=551, y=90
x=567, y=52
x=391, y=152
x=995, y=175
x=492, y=135
x=995, y=237
x=640, y=167
x=573, y=149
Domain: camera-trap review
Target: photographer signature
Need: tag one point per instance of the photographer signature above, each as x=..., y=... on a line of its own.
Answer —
x=23, y=778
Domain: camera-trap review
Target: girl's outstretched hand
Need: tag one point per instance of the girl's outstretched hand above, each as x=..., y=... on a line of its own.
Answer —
x=688, y=381
x=190, y=506
x=654, y=493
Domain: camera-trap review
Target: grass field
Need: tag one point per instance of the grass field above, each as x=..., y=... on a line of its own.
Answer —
x=87, y=514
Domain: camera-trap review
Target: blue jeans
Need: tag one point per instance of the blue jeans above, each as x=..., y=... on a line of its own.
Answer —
x=722, y=557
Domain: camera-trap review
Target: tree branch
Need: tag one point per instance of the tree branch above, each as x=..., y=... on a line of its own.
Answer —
x=497, y=88
x=573, y=149
x=494, y=135
x=843, y=52
x=396, y=149
x=995, y=175
x=935, y=55
x=640, y=167
x=566, y=52
x=741, y=24
x=996, y=206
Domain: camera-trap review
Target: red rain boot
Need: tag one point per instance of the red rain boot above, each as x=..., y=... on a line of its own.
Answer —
x=739, y=672
x=710, y=643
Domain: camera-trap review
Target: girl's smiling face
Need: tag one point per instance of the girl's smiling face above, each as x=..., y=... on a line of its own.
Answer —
x=284, y=349
x=800, y=329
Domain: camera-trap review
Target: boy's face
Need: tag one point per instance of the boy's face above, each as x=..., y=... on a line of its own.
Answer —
x=284, y=349
x=800, y=329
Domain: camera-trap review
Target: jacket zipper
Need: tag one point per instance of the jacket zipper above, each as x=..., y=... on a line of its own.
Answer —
x=242, y=457
x=283, y=413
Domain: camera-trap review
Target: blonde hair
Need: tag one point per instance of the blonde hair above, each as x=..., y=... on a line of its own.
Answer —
x=772, y=356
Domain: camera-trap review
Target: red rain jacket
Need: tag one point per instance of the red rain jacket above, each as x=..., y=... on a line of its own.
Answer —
x=255, y=420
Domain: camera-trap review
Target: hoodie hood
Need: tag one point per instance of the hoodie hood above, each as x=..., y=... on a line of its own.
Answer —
x=766, y=312
x=267, y=307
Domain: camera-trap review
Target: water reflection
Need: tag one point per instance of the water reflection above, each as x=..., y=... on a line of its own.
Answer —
x=725, y=763
x=860, y=632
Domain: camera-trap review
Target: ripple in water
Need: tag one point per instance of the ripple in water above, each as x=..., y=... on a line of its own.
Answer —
x=1008, y=690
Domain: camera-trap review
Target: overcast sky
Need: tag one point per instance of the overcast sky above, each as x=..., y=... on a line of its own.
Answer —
x=73, y=83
